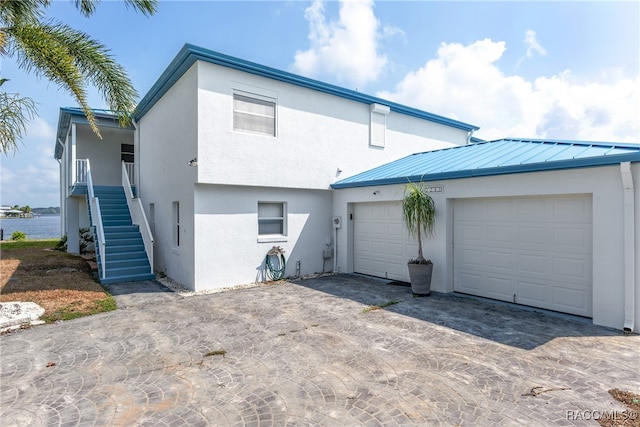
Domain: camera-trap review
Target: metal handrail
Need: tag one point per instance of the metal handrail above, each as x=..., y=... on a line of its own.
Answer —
x=138, y=216
x=96, y=218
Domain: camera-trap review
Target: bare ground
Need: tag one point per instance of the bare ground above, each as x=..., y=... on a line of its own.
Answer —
x=61, y=283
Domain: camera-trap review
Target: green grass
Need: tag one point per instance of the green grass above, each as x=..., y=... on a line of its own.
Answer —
x=378, y=307
x=72, y=311
x=44, y=244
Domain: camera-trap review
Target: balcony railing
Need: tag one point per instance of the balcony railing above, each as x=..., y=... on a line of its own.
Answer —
x=82, y=166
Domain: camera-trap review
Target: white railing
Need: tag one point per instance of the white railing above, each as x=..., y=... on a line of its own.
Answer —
x=96, y=218
x=130, y=171
x=82, y=168
x=138, y=216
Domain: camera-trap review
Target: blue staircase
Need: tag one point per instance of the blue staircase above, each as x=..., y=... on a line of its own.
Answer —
x=126, y=259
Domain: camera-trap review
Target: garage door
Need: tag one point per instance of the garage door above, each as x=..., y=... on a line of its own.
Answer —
x=534, y=251
x=381, y=244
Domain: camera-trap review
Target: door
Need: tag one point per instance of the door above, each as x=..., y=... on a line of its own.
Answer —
x=535, y=251
x=382, y=245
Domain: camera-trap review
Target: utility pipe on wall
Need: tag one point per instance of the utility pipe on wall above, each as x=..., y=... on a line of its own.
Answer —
x=629, y=232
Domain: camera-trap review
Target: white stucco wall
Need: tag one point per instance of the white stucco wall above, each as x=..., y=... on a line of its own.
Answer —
x=104, y=153
x=603, y=183
x=316, y=135
x=167, y=140
x=227, y=250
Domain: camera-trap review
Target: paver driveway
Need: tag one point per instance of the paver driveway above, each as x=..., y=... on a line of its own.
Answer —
x=306, y=353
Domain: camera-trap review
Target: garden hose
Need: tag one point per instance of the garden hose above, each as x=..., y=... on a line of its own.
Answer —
x=274, y=273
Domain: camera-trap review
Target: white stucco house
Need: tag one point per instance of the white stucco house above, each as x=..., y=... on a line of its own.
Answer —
x=227, y=159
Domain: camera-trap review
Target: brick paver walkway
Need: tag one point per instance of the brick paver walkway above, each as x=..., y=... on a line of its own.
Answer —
x=307, y=354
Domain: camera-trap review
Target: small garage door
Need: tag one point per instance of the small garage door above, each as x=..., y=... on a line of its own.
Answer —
x=381, y=245
x=535, y=251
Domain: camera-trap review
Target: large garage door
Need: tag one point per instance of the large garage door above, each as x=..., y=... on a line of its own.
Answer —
x=534, y=251
x=382, y=246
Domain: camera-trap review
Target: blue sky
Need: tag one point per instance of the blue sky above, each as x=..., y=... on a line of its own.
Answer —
x=564, y=70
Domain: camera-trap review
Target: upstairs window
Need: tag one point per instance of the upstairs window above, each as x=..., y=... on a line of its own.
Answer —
x=254, y=114
x=272, y=219
x=378, y=125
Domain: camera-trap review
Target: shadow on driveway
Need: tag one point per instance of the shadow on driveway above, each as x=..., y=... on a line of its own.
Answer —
x=505, y=323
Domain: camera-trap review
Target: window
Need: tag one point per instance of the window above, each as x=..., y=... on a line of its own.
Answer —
x=254, y=113
x=378, y=129
x=272, y=219
x=176, y=224
x=152, y=218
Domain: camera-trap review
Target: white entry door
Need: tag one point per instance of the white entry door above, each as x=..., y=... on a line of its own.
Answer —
x=381, y=244
x=535, y=251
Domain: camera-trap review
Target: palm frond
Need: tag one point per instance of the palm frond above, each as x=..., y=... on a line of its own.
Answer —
x=100, y=69
x=15, y=113
x=146, y=7
x=419, y=212
x=38, y=49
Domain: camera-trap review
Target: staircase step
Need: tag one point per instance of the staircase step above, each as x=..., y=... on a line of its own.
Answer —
x=124, y=255
x=118, y=249
x=113, y=235
x=121, y=229
x=114, y=222
x=134, y=241
x=129, y=278
x=127, y=271
x=128, y=263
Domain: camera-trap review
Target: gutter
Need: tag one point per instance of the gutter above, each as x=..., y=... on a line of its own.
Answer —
x=629, y=232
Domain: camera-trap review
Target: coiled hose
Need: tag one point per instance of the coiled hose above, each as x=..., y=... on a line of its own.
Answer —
x=274, y=273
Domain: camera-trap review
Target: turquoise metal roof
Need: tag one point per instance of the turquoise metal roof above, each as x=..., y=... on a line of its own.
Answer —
x=189, y=54
x=498, y=157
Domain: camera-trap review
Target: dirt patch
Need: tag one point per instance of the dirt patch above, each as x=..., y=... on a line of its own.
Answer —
x=628, y=418
x=61, y=283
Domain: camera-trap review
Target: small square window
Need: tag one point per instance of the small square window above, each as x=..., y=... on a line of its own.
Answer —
x=272, y=219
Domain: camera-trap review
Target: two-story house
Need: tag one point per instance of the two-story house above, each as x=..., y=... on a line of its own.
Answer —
x=228, y=159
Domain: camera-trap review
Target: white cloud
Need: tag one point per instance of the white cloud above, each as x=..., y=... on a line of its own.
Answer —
x=463, y=82
x=31, y=175
x=40, y=129
x=346, y=49
x=534, y=46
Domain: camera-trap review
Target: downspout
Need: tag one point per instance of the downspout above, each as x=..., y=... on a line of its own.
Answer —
x=469, y=137
x=629, y=233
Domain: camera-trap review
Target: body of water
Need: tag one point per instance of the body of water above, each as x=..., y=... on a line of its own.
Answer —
x=38, y=227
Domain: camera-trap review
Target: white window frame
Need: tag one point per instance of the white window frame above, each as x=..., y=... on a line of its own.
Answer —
x=378, y=125
x=257, y=97
x=273, y=237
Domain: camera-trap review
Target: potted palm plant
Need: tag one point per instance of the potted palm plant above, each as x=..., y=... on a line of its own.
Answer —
x=419, y=213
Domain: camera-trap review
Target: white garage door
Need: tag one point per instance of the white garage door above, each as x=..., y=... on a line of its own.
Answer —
x=534, y=251
x=381, y=244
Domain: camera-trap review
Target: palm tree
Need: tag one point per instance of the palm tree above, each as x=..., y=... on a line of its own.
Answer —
x=65, y=56
x=419, y=213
